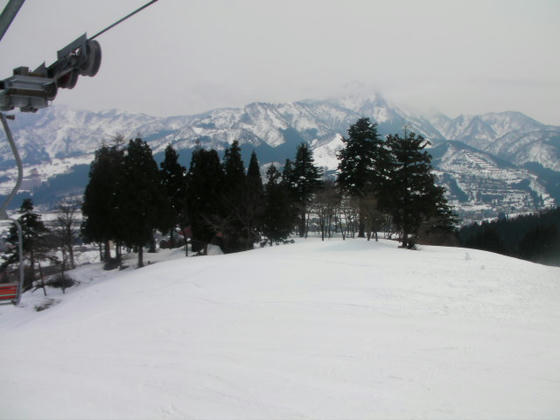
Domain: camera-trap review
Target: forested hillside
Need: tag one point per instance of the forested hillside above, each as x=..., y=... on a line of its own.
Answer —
x=535, y=237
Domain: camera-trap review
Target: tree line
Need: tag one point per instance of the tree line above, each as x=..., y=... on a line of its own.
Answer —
x=381, y=183
x=128, y=198
x=534, y=237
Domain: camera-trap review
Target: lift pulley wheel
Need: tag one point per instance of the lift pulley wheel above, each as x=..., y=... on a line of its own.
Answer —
x=92, y=62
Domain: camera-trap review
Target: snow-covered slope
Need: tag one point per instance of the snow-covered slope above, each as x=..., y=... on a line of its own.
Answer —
x=341, y=329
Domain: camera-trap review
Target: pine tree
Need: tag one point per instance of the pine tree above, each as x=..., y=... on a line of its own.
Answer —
x=414, y=195
x=174, y=182
x=234, y=169
x=304, y=180
x=33, y=234
x=100, y=208
x=363, y=165
x=205, y=196
x=142, y=198
x=255, y=199
x=439, y=228
x=233, y=224
x=279, y=214
x=288, y=171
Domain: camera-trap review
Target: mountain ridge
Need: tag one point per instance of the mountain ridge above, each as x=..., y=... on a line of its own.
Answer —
x=60, y=136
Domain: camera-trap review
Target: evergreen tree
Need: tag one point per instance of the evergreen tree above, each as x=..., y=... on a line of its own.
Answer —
x=254, y=179
x=414, y=195
x=255, y=199
x=279, y=214
x=174, y=182
x=33, y=234
x=304, y=179
x=233, y=226
x=100, y=208
x=363, y=163
x=234, y=169
x=142, y=198
x=440, y=227
x=205, y=196
x=288, y=171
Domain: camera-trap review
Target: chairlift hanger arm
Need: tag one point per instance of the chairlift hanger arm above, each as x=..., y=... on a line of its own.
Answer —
x=32, y=90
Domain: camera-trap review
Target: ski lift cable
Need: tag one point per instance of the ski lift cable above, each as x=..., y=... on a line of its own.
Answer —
x=122, y=19
x=8, y=15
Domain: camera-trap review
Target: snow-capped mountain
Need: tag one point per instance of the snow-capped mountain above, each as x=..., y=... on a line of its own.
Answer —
x=509, y=135
x=62, y=132
x=482, y=186
x=482, y=159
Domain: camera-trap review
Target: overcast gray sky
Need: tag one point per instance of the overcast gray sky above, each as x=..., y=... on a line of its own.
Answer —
x=188, y=56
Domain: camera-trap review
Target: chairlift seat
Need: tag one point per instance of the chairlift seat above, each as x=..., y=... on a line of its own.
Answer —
x=8, y=292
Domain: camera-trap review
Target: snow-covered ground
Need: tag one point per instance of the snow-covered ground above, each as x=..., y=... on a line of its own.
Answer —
x=340, y=329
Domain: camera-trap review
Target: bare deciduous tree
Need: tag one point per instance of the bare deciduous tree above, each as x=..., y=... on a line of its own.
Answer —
x=67, y=227
x=325, y=205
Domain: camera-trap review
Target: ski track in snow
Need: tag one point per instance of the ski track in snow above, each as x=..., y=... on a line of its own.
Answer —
x=340, y=329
